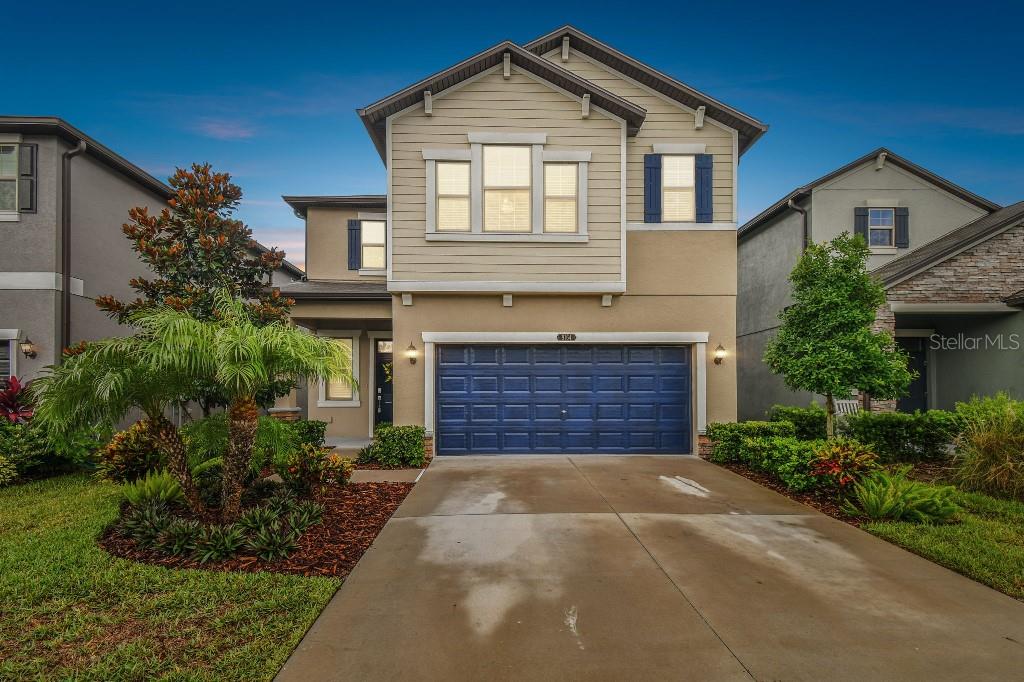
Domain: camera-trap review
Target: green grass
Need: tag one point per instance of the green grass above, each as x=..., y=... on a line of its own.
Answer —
x=986, y=544
x=69, y=610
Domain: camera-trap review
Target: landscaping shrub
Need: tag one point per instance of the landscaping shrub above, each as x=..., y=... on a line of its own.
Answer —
x=989, y=452
x=809, y=422
x=312, y=467
x=396, y=446
x=129, y=455
x=785, y=457
x=208, y=438
x=24, y=445
x=892, y=495
x=156, y=486
x=309, y=432
x=904, y=437
x=145, y=523
x=841, y=461
x=8, y=472
x=216, y=542
x=179, y=537
x=727, y=437
x=15, y=403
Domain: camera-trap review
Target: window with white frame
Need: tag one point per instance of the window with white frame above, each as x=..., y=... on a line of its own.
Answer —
x=506, y=186
x=881, y=226
x=338, y=391
x=561, y=191
x=8, y=177
x=6, y=364
x=453, y=205
x=373, y=235
x=678, y=195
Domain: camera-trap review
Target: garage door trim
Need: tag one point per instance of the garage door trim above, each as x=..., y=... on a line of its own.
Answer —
x=699, y=340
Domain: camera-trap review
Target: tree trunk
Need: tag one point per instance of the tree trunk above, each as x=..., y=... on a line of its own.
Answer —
x=169, y=442
x=243, y=420
x=830, y=416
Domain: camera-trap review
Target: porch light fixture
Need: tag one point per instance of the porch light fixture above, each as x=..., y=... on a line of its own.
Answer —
x=28, y=348
x=719, y=354
x=411, y=353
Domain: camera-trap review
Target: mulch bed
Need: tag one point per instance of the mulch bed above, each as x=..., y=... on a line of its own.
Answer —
x=819, y=500
x=373, y=466
x=353, y=516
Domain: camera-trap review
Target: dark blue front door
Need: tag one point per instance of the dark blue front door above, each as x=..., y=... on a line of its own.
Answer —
x=569, y=398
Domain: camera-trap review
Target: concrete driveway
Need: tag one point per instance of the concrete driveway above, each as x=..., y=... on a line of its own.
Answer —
x=596, y=568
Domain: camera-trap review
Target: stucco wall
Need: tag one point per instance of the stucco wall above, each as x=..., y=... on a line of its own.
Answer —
x=34, y=314
x=933, y=212
x=30, y=244
x=327, y=244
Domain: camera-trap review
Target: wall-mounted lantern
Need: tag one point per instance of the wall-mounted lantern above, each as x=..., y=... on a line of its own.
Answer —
x=28, y=348
x=411, y=353
x=719, y=354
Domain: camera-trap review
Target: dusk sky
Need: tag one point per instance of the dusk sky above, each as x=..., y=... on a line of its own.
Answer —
x=268, y=91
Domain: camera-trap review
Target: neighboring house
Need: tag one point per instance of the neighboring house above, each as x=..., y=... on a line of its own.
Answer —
x=554, y=263
x=63, y=199
x=949, y=259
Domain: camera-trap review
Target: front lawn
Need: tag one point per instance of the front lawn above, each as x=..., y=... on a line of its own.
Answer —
x=987, y=544
x=70, y=610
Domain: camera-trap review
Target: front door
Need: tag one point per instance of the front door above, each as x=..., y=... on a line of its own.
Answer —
x=383, y=385
x=917, y=399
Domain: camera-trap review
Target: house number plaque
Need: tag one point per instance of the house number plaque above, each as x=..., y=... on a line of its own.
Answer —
x=566, y=337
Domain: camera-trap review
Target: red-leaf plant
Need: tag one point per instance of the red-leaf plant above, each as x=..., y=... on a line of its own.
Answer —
x=14, y=405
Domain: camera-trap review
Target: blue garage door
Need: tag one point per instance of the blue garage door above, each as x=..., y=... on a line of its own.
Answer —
x=552, y=399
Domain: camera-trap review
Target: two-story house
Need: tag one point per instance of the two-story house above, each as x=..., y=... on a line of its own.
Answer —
x=951, y=261
x=553, y=266
x=63, y=199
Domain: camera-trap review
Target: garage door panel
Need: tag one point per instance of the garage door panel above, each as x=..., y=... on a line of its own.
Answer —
x=551, y=399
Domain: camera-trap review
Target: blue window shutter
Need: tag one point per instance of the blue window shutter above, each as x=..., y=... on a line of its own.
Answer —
x=703, y=186
x=355, y=243
x=652, y=188
x=901, y=214
x=860, y=222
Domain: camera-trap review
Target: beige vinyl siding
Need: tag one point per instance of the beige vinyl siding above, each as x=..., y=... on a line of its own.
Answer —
x=493, y=104
x=665, y=122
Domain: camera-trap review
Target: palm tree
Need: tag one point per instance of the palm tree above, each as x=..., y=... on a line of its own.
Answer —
x=173, y=347
x=104, y=383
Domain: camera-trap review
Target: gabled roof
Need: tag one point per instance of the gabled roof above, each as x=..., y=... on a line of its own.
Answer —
x=375, y=115
x=300, y=204
x=801, y=193
x=950, y=244
x=749, y=128
x=51, y=125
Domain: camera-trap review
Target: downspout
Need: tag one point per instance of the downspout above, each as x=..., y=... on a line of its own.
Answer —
x=65, y=247
x=803, y=214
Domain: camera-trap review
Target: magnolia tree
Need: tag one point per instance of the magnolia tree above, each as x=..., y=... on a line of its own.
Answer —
x=826, y=343
x=195, y=248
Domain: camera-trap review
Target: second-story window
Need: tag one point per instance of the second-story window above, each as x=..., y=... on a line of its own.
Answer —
x=373, y=236
x=8, y=177
x=881, y=225
x=453, y=196
x=678, y=196
x=506, y=185
x=560, y=192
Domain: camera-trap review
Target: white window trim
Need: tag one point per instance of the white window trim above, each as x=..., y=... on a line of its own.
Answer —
x=699, y=341
x=355, y=335
x=680, y=227
x=538, y=156
x=376, y=218
x=13, y=215
x=883, y=249
x=11, y=338
x=680, y=148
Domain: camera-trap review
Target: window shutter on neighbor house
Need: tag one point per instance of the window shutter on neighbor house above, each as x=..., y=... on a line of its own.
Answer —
x=27, y=178
x=702, y=188
x=860, y=222
x=355, y=251
x=652, y=188
x=901, y=215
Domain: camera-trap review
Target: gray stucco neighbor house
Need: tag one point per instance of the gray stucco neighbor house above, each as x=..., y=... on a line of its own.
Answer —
x=63, y=199
x=951, y=261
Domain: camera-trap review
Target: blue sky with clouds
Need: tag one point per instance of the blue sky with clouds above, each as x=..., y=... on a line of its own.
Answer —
x=268, y=91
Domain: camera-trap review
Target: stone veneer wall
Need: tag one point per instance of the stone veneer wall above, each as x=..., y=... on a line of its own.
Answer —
x=985, y=273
